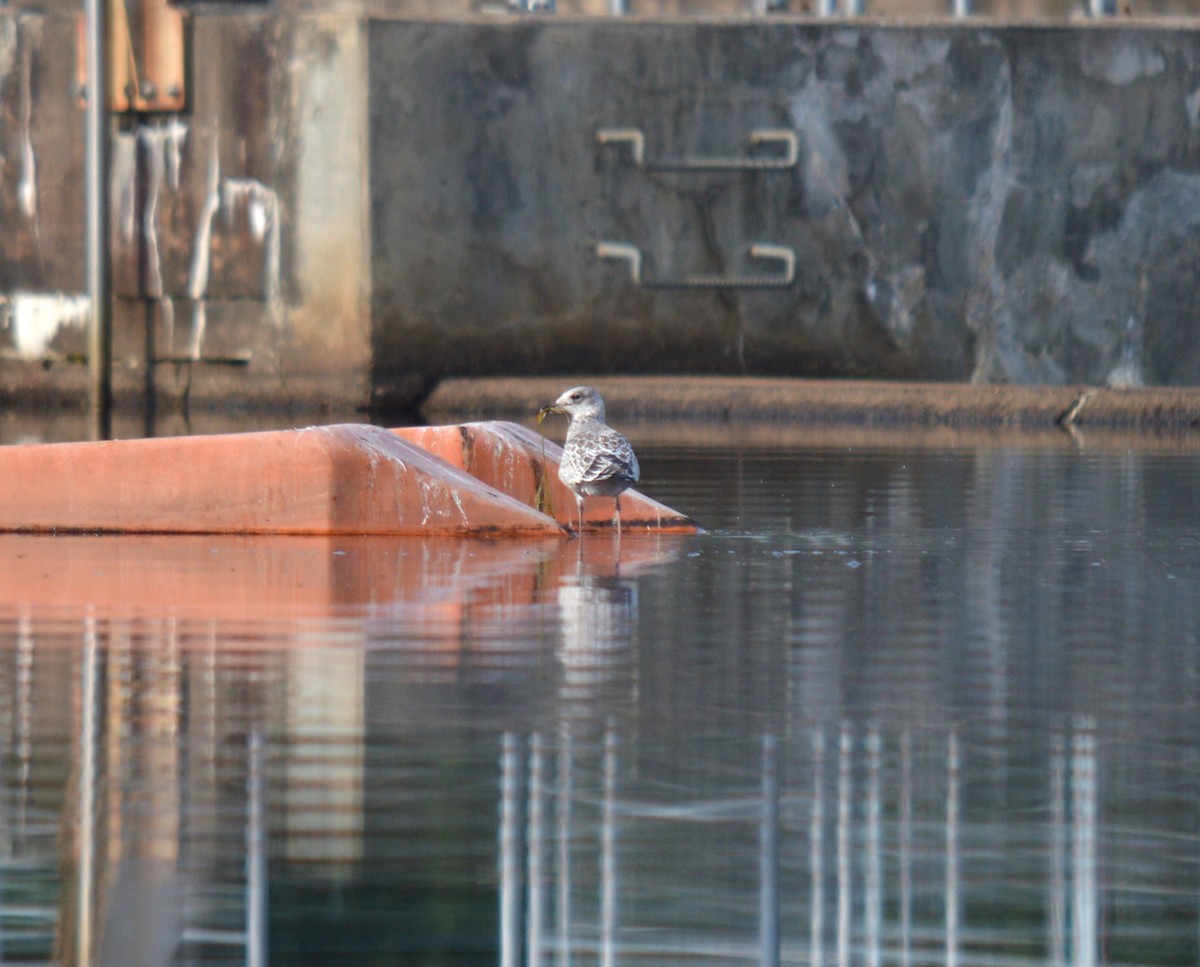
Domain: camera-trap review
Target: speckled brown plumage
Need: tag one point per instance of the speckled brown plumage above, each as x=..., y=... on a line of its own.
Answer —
x=597, y=461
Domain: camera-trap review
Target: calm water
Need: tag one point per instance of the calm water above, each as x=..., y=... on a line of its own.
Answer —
x=930, y=704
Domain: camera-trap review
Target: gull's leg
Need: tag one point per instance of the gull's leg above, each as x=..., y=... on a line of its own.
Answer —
x=617, y=504
x=579, y=499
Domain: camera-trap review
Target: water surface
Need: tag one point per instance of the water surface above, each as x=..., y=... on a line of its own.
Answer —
x=919, y=701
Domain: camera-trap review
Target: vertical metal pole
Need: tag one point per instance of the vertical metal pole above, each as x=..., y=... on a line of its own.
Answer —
x=96, y=163
x=149, y=285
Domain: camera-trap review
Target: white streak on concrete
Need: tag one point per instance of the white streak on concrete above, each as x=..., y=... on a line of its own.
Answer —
x=27, y=187
x=198, y=277
x=262, y=214
x=162, y=145
x=199, y=324
x=174, y=134
x=36, y=319
x=1114, y=60
x=153, y=141
x=124, y=179
x=168, y=320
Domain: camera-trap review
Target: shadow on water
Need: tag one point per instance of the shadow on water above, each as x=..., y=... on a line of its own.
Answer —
x=896, y=706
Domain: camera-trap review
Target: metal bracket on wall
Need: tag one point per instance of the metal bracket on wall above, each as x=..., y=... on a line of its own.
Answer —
x=776, y=253
x=637, y=142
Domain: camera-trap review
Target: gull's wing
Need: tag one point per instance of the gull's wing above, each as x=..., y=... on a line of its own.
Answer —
x=610, y=457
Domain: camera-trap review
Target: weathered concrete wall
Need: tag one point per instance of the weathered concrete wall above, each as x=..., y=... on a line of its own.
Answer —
x=353, y=208
x=988, y=203
x=239, y=229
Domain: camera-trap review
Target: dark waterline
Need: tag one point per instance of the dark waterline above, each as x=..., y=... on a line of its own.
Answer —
x=896, y=706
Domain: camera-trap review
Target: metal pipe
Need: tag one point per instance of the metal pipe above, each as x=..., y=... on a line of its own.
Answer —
x=96, y=164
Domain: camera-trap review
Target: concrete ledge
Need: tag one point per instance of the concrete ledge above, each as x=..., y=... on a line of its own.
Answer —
x=830, y=402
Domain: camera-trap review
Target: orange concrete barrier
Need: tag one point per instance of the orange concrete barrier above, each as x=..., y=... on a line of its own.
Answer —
x=515, y=459
x=344, y=479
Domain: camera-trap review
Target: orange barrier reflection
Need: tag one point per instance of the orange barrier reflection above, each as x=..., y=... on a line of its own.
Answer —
x=446, y=593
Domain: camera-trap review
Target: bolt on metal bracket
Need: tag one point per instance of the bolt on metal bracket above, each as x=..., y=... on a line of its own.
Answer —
x=777, y=253
x=637, y=143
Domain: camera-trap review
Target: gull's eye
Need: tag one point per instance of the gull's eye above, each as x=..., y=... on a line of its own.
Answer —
x=576, y=397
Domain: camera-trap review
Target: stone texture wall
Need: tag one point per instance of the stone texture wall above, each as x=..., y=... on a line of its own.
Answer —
x=986, y=203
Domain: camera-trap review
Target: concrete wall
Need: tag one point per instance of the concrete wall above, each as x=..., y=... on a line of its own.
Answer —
x=239, y=228
x=988, y=203
x=354, y=207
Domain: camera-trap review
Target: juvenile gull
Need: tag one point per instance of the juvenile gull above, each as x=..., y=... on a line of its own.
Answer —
x=597, y=461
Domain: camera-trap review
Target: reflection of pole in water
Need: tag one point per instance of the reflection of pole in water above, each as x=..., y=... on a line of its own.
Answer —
x=510, y=852
x=533, y=927
x=952, y=780
x=843, y=841
x=564, y=847
x=24, y=723
x=1058, y=852
x=256, y=855
x=768, y=859
x=87, y=794
x=816, y=913
x=906, y=819
x=608, y=860
x=874, y=851
x=1083, y=788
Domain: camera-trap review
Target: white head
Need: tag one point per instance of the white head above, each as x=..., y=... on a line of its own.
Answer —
x=579, y=403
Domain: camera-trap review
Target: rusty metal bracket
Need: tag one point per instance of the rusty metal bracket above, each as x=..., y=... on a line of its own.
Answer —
x=147, y=57
x=779, y=136
x=759, y=250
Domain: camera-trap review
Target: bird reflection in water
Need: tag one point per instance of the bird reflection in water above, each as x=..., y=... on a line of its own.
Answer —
x=598, y=606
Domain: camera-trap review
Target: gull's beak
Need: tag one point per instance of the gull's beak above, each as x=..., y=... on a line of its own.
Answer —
x=546, y=411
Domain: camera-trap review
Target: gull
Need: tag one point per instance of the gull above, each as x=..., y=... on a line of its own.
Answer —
x=597, y=461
